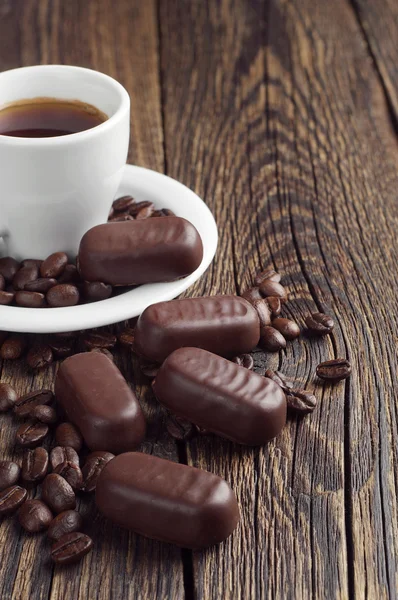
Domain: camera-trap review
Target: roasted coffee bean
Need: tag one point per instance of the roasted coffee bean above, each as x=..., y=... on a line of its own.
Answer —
x=138, y=206
x=71, y=548
x=34, y=516
x=11, y=499
x=61, y=347
x=41, y=285
x=66, y=522
x=13, y=347
x=96, y=339
x=54, y=265
x=149, y=369
x=9, y=474
x=25, y=404
x=289, y=329
x=6, y=298
x=274, y=289
x=30, y=299
x=300, y=401
x=263, y=312
x=284, y=382
x=93, y=291
x=32, y=262
x=35, y=464
x=58, y=494
x=39, y=356
x=8, y=397
x=275, y=306
x=3, y=336
x=121, y=218
x=64, y=294
x=66, y=434
x=30, y=435
x=93, y=466
x=334, y=370
x=44, y=414
x=252, y=295
x=272, y=340
x=244, y=360
x=145, y=212
x=163, y=212
x=24, y=276
x=104, y=351
x=8, y=267
x=319, y=324
x=70, y=275
x=267, y=275
x=62, y=454
x=71, y=473
x=67, y=335
x=123, y=203
x=126, y=337
x=2, y=282
x=180, y=429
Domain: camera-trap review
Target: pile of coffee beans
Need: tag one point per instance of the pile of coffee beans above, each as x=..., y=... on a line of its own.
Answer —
x=55, y=281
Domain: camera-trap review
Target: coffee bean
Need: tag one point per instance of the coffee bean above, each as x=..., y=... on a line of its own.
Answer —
x=3, y=336
x=30, y=435
x=164, y=212
x=284, y=382
x=32, y=262
x=275, y=306
x=149, y=369
x=58, y=494
x=138, y=206
x=94, y=291
x=334, y=370
x=123, y=203
x=319, y=324
x=24, y=276
x=8, y=397
x=71, y=548
x=30, y=299
x=289, y=329
x=13, y=347
x=9, y=474
x=6, y=298
x=145, y=212
x=34, y=465
x=268, y=274
x=244, y=360
x=121, y=218
x=66, y=434
x=263, y=312
x=34, y=516
x=105, y=351
x=126, y=337
x=39, y=356
x=8, y=267
x=2, y=282
x=102, y=339
x=41, y=285
x=67, y=521
x=252, y=295
x=70, y=275
x=71, y=473
x=54, y=265
x=62, y=454
x=61, y=347
x=300, y=401
x=93, y=466
x=274, y=289
x=11, y=499
x=44, y=414
x=67, y=335
x=64, y=294
x=272, y=340
x=25, y=404
x=180, y=429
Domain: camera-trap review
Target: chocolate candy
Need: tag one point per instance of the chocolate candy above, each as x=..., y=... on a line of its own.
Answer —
x=98, y=400
x=221, y=396
x=136, y=252
x=167, y=501
x=225, y=325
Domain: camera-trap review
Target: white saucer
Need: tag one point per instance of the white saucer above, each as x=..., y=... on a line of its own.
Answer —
x=164, y=192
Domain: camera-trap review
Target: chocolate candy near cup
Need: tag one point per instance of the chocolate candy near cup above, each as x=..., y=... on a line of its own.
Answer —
x=167, y=501
x=221, y=396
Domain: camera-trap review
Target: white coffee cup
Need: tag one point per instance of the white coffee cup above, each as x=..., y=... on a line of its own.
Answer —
x=54, y=189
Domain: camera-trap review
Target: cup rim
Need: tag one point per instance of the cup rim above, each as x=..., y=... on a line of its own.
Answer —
x=80, y=135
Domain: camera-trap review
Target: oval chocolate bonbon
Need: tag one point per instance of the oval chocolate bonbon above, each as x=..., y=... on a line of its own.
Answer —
x=136, y=252
x=98, y=400
x=221, y=396
x=167, y=501
x=225, y=325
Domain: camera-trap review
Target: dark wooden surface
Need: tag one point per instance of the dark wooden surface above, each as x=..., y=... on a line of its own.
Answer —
x=283, y=115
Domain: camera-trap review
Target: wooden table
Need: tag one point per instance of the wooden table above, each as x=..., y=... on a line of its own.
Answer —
x=283, y=115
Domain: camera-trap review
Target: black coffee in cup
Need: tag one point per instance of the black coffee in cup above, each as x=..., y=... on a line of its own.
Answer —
x=48, y=117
